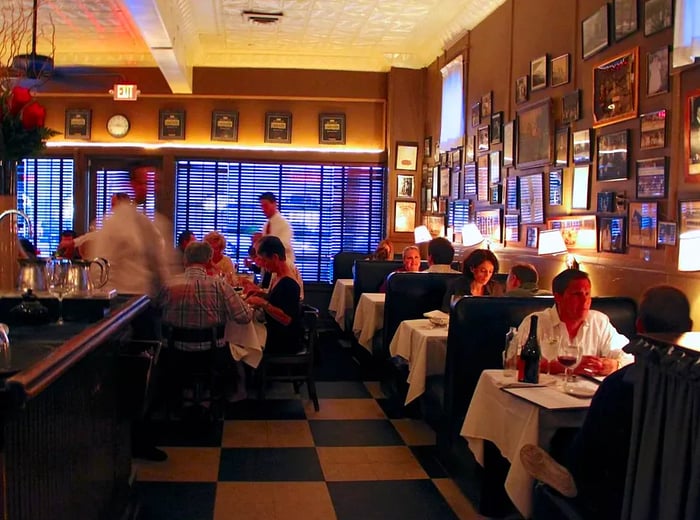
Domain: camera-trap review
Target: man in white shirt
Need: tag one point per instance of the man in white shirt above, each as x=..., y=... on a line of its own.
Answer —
x=276, y=224
x=440, y=256
x=572, y=321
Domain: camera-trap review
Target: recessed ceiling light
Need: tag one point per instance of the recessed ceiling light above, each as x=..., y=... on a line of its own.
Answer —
x=261, y=18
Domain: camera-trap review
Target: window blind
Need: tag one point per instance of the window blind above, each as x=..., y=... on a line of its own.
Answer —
x=110, y=181
x=330, y=207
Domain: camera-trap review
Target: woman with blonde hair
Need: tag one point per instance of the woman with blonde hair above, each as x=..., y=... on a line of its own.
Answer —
x=221, y=264
x=384, y=251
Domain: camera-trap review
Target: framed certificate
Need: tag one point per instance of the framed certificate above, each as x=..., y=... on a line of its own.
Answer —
x=278, y=127
x=331, y=128
x=406, y=156
x=78, y=123
x=224, y=125
x=171, y=124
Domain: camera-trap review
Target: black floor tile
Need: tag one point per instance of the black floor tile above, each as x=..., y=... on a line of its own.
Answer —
x=176, y=500
x=395, y=409
x=268, y=410
x=342, y=390
x=357, y=432
x=389, y=500
x=190, y=434
x=269, y=464
x=428, y=458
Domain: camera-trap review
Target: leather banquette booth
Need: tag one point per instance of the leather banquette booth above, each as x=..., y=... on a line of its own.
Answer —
x=477, y=330
x=343, y=263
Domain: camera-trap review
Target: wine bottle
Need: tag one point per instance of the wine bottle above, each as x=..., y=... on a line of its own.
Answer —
x=529, y=367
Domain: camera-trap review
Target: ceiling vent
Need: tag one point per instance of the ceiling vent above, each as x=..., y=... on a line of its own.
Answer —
x=260, y=18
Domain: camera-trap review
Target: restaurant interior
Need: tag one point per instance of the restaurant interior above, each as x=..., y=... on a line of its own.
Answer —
x=522, y=121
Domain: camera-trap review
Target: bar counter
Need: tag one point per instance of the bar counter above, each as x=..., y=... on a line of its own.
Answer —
x=65, y=432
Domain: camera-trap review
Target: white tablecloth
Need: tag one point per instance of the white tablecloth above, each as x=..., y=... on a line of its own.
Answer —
x=246, y=341
x=424, y=347
x=369, y=318
x=341, y=300
x=511, y=422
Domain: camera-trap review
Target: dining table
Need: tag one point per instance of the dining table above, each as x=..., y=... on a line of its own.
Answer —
x=369, y=318
x=340, y=306
x=511, y=414
x=424, y=347
x=246, y=341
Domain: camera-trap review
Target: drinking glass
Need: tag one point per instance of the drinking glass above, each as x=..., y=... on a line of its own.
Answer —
x=549, y=348
x=59, y=282
x=569, y=356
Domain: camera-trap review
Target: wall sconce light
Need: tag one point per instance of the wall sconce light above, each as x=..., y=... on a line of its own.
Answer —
x=471, y=236
x=689, y=251
x=421, y=234
x=551, y=243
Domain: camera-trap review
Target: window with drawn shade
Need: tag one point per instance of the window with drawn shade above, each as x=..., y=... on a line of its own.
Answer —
x=45, y=195
x=452, y=114
x=115, y=180
x=330, y=208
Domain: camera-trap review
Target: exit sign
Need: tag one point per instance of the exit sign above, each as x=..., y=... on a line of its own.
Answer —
x=125, y=92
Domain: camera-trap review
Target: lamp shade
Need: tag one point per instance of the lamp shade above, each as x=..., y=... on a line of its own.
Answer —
x=689, y=251
x=421, y=234
x=471, y=235
x=551, y=243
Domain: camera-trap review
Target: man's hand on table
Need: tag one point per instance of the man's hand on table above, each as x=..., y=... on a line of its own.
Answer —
x=589, y=365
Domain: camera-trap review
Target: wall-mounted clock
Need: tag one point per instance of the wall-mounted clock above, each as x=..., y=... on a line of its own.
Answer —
x=118, y=125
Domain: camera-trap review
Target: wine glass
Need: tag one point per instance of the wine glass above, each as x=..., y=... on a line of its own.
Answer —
x=59, y=282
x=549, y=348
x=569, y=356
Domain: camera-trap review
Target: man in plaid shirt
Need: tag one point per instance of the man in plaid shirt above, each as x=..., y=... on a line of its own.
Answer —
x=194, y=300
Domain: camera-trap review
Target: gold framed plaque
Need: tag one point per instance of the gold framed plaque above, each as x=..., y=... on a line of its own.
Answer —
x=331, y=128
x=171, y=124
x=224, y=125
x=278, y=127
x=78, y=123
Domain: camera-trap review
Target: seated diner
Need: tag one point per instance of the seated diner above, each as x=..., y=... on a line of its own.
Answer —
x=478, y=271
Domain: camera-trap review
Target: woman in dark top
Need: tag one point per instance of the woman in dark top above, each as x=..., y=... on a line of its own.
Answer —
x=282, y=303
x=478, y=270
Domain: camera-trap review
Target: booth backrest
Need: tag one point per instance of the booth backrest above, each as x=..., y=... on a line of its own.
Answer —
x=408, y=296
x=369, y=275
x=476, y=336
x=343, y=261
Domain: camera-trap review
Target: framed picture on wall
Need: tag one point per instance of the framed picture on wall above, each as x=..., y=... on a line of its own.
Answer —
x=444, y=181
x=657, y=71
x=521, y=89
x=404, y=216
x=611, y=235
x=511, y=227
x=605, y=202
x=689, y=215
x=594, y=32
x=476, y=114
x=405, y=186
x=612, y=156
x=668, y=232
x=482, y=182
x=224, y=125
x=489, y=223
x=580, y=187
x=470, y=179
x=508, y=148
x=570, y=104
x=556, y=186
x=578, y=232
x=428, y=147
x=692, y=137
x=532, y=235
x=496, y=127
x=582, y=146
x=652, y=130
x=171, y=124
x=560, y=70
x=331, y=129
x=469, y=149
x=538, y=73
x=535, y=138
x=561, y=147
x=487, y=105
x=642, y=224
x=278, y=127
x=531, y=198
x=494, y=167
x=406, y=156
x=658, y=15
x=652, y=178
x=482, y=138
x=625, y=17
x=512, y=193
x=615, y=88
x=78, y=123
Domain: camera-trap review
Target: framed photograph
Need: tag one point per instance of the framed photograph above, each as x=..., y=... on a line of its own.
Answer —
x=657, y=72
x=469, y=179
x=456, y=157
x=531, y=198
x=658, y=15
x=496, y=127
x=444, y=181
x=428, y=147
x=511, y=228
x=521, y=90
x=171, y=124
x=476, y=114
x=489, y=223
x=606, y=202
x=331, y=128
x=278, y=127
x=570, y=104
x=404, y=216
x=535, y=137
x=625, y=17
x=511, y=193
x=426, y=197
x=580, y=187
x=482, y=138
x=561, y=147
x=406, y=156
x=642, y=231
x=611, y=235
x=692, y=137
x=469, y=150
x=455, y=182
x=578, y=232
x=560, y=70
x=667, y=233
x=538, y=73
x=78, y=123
x=495, y=193
x=404, y=186
x=582, y=146
x=482, y=182
x=224, y=125
x=556, y=187
x=508, y=148
x=689, y=215
x=612, y=156
x=594, y=32
x=532, y=235
x=495, y=167
x=652, y=130
x=487, y=105
x=443, y=157
x=436, y=181
x=615, y=89
x=652, y=178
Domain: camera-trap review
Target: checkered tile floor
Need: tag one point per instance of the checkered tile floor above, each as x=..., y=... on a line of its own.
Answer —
x=355, y=459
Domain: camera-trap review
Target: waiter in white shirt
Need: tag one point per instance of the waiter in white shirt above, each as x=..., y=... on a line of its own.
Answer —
x=276, y=224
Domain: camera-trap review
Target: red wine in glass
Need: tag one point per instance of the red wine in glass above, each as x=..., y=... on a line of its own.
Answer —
x=567, y=361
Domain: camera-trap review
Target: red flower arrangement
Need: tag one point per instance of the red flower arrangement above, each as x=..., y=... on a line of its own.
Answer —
x=22, y=132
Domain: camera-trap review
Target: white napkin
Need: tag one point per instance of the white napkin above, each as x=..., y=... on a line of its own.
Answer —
x=436, y=314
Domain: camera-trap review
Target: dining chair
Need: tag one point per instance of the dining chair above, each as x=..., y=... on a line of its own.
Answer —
x=296, y=368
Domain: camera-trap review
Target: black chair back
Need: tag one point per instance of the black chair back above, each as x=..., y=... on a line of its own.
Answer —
x=370, y=274
x=343, y=261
